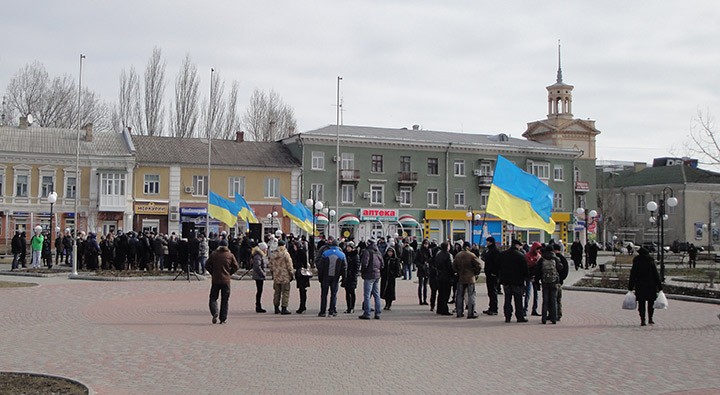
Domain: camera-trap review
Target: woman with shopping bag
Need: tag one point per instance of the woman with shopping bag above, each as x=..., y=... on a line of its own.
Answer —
x=645, y=280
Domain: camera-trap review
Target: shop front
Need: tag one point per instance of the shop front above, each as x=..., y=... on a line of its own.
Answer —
x=109, y=222
x=151, y=216
x=378, y=223
x=195, y=219
x=454, y=225
x=348, y=224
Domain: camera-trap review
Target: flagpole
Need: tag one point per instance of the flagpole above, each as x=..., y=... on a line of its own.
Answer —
x=482, y=225
x=209, y=135
x=339, y=162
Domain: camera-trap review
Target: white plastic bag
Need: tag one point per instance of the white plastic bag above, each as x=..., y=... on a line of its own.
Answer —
x=661, y=301
x=630, y=303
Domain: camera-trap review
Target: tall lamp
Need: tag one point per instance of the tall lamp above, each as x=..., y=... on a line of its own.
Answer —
x=52, y=198
x=316, y=206
x=661, y=217
x=588, y=217
x=471, y=219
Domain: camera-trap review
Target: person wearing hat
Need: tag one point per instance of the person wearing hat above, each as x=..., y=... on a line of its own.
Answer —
x=221, y=264
x=282, y=272
x=513, y=271
x=259, y=265
x=349, y=282
x=490, y=256
x=36, y=243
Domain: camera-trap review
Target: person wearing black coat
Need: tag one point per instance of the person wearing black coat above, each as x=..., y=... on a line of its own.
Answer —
x=58, y=248
x=592, y=251
x=46, y=254
x=392, y=269
x=16, y=246
x=442, y=262
x=576, y=253
x=513, y=272
x=423, y=256
x=549, y=288
x=349, y=282
x=645, y=281
x=23, y=248
x=300, y=261
x=490, y=256
x=563, y=275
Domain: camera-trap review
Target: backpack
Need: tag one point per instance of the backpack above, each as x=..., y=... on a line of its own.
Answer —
x=549, y=272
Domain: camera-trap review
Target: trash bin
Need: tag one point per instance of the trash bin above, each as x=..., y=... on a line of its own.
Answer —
x=602, y=267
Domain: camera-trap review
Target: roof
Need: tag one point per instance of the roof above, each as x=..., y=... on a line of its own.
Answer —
x=60, y=141
x=430, y=137
x=194, y=151
x=663, y=175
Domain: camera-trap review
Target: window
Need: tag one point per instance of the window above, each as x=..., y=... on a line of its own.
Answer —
x=433, y=169
x=484, y=196
x=432, y=197
x=640, y=199
x=486, y=168
x=46, y=185
x=459, y=168
x=21, y=185
x=558, y=173
x=376, y=194
x=406, y=196
x=2, y=182
x=151, y=185
x=200, y=187
x=318, y=160
x=347, y=161
x=576, y=174
x=558, y=201
x=318, y=191
x=112, y=184
x=236, y=185
x=540, y=170
x=70, y=187
x=405, y=163
x=376, y=164
x=272, y=187
x=348, y=194
x=459, y=198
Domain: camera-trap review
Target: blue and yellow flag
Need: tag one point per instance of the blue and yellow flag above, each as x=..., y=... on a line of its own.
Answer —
x=520, y=198
x=244, y=210
x=296, y=215
x=222, y=209
x=307, y=216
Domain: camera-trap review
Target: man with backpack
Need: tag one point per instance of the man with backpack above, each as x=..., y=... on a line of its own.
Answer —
x=548, y=272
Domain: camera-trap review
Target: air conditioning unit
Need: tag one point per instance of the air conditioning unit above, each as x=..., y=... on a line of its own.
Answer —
x=174, y=217
x=398, y=199
x=334, y=158
x=173, y=209
x=189, y=190
x=366, y=195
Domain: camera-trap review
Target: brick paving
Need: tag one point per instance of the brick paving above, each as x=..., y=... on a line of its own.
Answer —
x=156, y=337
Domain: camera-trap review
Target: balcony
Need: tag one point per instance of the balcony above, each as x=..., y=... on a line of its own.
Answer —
x=485, y=179
x=349, y=175
x=407, y=178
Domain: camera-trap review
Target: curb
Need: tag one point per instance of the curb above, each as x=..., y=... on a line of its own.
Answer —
x=684, y=298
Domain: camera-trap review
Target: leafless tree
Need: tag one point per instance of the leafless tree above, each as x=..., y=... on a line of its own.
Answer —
x=124, y=112
x=214, y=113
x=704, y=139
x=231, y=123
x=184, y=115
x=154, y=92
x=268, y=118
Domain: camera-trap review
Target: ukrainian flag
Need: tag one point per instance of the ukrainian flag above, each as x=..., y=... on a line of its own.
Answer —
x=244, y=210
x=520, y=198
x=295, y=214
x=222, y=209
x=307, y=216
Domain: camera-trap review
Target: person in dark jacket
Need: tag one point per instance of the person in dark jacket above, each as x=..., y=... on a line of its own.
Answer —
x=259, y=266
x=16, y=247
x=300, y=261
x=107, y=250
x=331, y=268
x=23, y=249
x=490, y=256
x=442, y=262
x=422, y=265
x=172, y=258
x=392, y=269
x=549, y=278
x=59, y=249
x=46, y=254
x=513, y=272
x=592, y=251
x=221, y=264
x=349, y=282
x=563, y=275
x=467, y=266
x=92, y=251
x=68, y=244
x=576, y=253
x=408, y=258
x=371, y=263
x=692, y=255
x=645, y=281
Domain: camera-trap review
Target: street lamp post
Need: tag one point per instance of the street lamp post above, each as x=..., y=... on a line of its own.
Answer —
x=52, y=198
x=330, y=214
x=272, y=216
x=472, y=218
x=661, y=217
x=614, y=239
x=316, y=206
x=588, y=217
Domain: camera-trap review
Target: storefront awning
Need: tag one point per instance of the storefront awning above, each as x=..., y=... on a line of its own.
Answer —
x=408, y=221
x=322, y=219
x=349, y=219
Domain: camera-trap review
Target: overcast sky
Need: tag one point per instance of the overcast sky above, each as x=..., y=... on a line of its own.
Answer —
x=641, y=70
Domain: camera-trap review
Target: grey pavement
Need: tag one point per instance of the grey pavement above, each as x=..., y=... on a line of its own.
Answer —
x=155, y=337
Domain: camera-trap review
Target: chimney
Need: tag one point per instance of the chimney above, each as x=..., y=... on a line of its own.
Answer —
x=23, y=123
x=416, y=127
x=240, y=136
x=88, y=128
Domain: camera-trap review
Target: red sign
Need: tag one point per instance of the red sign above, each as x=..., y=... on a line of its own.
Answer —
x=370, y=214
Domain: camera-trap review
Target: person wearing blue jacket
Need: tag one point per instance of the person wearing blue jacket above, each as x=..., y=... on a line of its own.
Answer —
x=330, y=268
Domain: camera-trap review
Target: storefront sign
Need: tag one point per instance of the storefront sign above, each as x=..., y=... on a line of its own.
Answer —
x=370, y=214
x=151, y=208
x=193, y=211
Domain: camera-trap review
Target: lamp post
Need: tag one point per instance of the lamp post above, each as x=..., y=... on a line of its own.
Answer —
x=612, y=247
x=660, y=219
x=316, y=206
x=588, y=217
x=708, y=229
x=330, y=214
x=271, y=217
x=472, y=217
x=52, y=198
x=76, y=233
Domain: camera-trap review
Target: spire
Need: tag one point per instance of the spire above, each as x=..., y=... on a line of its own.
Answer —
x=559, y=73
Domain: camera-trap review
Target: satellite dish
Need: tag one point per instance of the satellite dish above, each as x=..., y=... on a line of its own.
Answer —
x=30, y=119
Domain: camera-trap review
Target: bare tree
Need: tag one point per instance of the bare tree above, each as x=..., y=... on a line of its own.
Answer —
x=232, y=120
x=268, y=118
x=154, y=92
x=704, y=139
x=25, y=90
x=214, y=113
x=124, y=113
x=184, y=115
